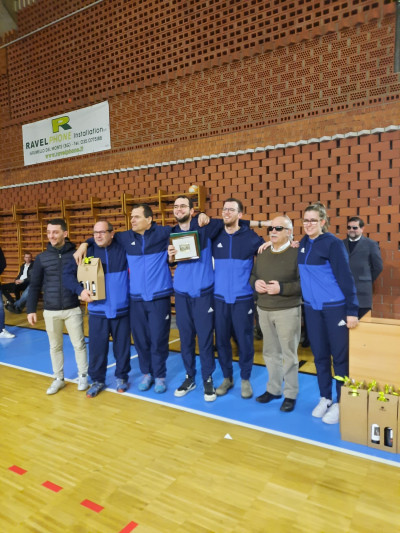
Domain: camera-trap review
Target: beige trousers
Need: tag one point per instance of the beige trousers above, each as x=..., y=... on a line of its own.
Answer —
x=281, y=333
x=73, y=320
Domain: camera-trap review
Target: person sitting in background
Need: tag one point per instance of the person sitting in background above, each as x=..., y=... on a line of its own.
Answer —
x=18, y=306
x=21, y=281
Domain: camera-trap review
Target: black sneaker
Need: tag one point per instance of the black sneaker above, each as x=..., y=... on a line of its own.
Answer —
x=186, y=387
x=209, y=391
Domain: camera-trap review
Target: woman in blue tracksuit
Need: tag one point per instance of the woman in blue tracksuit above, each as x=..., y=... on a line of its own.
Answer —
x=330, y=304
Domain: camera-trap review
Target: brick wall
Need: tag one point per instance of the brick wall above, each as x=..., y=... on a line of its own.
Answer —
x=218, y=78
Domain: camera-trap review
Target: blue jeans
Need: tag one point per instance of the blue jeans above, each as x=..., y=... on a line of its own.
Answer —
x=1, y=311
x=21, y=303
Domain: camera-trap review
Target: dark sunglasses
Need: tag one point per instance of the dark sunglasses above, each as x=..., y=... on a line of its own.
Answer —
x=277, y=228
x=353, y=227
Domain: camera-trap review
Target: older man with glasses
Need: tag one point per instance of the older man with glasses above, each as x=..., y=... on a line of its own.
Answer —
x=109, y=315
x=275, y=277
x=365, y=262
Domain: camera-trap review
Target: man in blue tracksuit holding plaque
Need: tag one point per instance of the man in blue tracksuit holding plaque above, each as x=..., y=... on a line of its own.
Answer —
x=233, y=250
x=110, y=315
x=194, y=299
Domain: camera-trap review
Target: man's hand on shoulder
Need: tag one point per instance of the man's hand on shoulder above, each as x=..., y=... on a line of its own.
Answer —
x=264, y=246
x=203, y=219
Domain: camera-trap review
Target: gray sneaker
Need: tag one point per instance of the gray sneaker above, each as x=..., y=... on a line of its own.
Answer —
x=224, y=387
x=57, y=385
x=247, y=391
x=83, y=382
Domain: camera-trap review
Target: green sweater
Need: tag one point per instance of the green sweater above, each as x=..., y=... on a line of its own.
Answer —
x=282, y=267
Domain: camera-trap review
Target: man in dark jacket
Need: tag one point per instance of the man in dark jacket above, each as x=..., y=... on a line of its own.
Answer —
x=109, y=315
x=365, y=262
x=21, y=282
x=4, y=334
x=61, y=307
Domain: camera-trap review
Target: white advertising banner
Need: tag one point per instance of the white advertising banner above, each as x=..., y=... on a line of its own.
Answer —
x=75, y=133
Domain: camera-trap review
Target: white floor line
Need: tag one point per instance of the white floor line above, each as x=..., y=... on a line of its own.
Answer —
x=233, y=422
x=114, y=364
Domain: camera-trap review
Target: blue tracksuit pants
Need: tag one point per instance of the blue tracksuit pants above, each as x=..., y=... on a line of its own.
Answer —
x=196, y=316
x=100, y=329
x=239, y=319
x=150, y=324
x=328, y=336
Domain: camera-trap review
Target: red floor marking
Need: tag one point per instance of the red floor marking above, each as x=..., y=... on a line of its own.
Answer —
x=17, y=470
x=130, y=527
x=52, y=486
x=92, y=506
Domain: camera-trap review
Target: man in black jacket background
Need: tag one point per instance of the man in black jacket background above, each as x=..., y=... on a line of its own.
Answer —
x=61, y=306
x=365, y=262
x=21, y=281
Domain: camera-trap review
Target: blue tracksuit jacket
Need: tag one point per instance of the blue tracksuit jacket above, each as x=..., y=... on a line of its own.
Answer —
x=233, y=257
x=113, y=259
x=326, y=279
x=150, y=277
x=195, y=278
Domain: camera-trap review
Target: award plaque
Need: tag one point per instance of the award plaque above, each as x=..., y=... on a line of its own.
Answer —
x=187, y=245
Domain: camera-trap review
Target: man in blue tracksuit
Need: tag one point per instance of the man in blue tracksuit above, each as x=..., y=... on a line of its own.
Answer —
x=150, y=289
x=110, y=315
x=194, y=299
x=233, y=250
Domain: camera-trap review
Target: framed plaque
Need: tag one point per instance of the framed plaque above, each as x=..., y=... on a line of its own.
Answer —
x=187, y=245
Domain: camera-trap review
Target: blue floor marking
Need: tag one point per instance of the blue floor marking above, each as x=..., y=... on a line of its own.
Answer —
x=30, y=351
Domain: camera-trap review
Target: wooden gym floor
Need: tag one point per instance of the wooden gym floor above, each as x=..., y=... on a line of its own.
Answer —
x=151, y=468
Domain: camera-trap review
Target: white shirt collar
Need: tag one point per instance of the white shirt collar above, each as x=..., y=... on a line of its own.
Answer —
x=281, y=248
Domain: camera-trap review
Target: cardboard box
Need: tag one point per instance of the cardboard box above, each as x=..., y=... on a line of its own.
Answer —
x=383, y=422
x=92, y=276
x=354, y=415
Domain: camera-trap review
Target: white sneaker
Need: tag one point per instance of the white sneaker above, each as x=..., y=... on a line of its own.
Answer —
x=6, y=335
x=57, y=385
x=322, y=408
x=332, y=414
x=83, y=382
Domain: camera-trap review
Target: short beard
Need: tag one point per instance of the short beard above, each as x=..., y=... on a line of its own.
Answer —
x=184, y=219
x=230, y=224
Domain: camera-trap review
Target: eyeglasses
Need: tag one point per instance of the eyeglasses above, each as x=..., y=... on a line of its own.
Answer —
x=311, y=221
x=101, y=233
x=353, y=227
x=181, y=206
x=277, y=228
x=228, y=210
